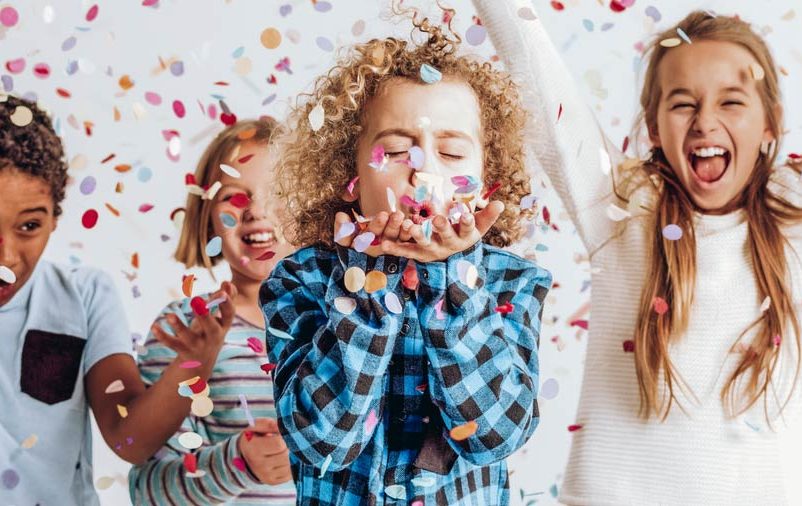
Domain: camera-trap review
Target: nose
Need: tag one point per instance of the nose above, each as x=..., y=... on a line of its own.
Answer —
x=9, y=255
x=257, y=209
x=431, y=162
x=705, y=121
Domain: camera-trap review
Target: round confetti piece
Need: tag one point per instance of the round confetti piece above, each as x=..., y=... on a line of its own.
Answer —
x=557, y=6
x=476, y=35
x=91, y=14
x=345, y=230
x=660, y=305
x=358, y=28
x=7, y=275
x=89, y=219
x=41, y=70
x=22, y=116
x=9, y=479
x=240, y=200
x=549, y=389
x=671, y=42
x=177, y=68
x=215, y=246
x=429, y=74
x=285, y=10
x=345, y=305
x=467, y=272
x=79, y=162
x=202, y=406
x=653, y=13
x=68, y=43
x=462, y=432
x=396, y=492
x=48, y=14
x=672, y=232
x=144, y=174
x=354, y=279
x=393, y=303
x=115, y=386
x=322, y=6
x=228, y=220
x=178, y=109
x=231, y=171
x=757, y=71
x=375, y=281
x=363, y=241
x=316, y=117
x=104, y=482
x=417, y=503
x=243, y=66
x=190, y=440
x=153, y=98
x=8, y=16
x=324, y=44
x=271, y=38
x=30, y=441
x=526, y=13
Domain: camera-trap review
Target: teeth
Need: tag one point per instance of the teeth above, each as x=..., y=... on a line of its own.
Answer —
x=259, y=237
x=708, y=152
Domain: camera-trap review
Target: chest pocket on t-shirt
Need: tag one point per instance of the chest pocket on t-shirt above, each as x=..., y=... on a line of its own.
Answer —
x=50, y=365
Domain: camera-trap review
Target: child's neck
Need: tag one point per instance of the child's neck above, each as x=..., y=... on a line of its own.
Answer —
x=246, y=302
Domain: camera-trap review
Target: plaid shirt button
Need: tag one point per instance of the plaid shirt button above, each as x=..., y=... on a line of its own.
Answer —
x=404, y=329
x=392, y=268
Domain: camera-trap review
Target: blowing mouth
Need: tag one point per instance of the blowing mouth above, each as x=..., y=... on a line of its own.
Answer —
x=709, y=163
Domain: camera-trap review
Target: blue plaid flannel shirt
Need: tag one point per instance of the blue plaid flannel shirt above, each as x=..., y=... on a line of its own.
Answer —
x=366, y=400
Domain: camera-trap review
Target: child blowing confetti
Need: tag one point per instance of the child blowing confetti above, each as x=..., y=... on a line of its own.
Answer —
x=66, y=345
x=695, y=297
x=406, y=340
x=229, y=451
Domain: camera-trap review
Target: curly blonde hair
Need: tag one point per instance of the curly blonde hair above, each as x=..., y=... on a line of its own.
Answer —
x=316, y=166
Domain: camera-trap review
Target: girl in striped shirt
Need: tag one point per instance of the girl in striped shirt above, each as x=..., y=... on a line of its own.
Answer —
x=228, y=449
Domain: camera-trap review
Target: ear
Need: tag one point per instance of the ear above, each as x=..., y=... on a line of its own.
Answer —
x=349, y=196
x=654, y=137
x=770, y=135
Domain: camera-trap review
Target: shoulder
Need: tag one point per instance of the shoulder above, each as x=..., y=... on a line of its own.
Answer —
x=503, y=266
x=92, y=286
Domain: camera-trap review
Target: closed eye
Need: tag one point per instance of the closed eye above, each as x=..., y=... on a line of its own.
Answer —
x=681, y=105
x=451, y=156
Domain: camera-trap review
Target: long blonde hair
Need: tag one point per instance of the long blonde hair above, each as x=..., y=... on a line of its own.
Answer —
x=672, y=264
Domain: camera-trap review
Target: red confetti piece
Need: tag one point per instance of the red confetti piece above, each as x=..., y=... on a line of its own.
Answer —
x=493, y=189
x=63, y=93
x=626, y=144
x=108, y=158
x=560, y=112
x=41, y=70
x=256, y=345
x=629, y=346
x=583, y=324
x=616, y=6
x=198, y=387
x=179, y=109
x=89, y=219
x=558, y=6
x=189, y=364
x=248, y=435
x=220, y=83
x=145, y=208
x=189, y=179
x=777, y=340
x=272, y=79
x=135, y=260
x=421, y=388
x=574, y=428
x=794, y=156
x=505, y=308
x=190, y=462
x=91, y=14
x=240, y=200
x=199, y=306
x=546, y=215
x=149, y=3
x=15, y=66
x=228, y=118
x=267, y=367
x=246, y=158
x=239, y=463
x=267, y=255
x=88, y=125
x=410, y=276
x=660, y=305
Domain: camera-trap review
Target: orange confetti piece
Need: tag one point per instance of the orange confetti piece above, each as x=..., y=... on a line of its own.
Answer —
x=186, y=284
x=465, y=431
x=111, y=208
x=122, y=410
x=88, y=126
x=246, y=134
x=123, y=167
x=135, y=260
x=109, y=158
x=117, y=115
x=375, y=281
x=63, y=93
x=126, y=83
x=118, y=188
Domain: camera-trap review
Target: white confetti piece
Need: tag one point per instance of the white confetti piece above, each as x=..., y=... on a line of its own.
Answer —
x=231, y=171
x=424, y=481
x=325, y=466
x=345, y=305
x=671, y=42
x=765, y=305
x=615, y=213
x=354, y=279
x=396, y=492
x=202, y=406
x=115, y=386
x=248, y=415
x=7, y=275
x=345, y=230
x=391, y=199
x=22, y=116
x=316, y=117
x=393, y=303
x=363, y=241
x=758, y=74
x=605, y=163
x=280, y=334
x=190, y=440
x=467, y=272
x=104, y=482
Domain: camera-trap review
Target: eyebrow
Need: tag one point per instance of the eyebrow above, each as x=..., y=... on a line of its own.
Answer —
x=403, y=132
x=686, y=91
x=40, y=209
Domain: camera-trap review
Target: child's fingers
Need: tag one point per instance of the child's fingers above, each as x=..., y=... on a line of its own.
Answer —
x=166, y=339
x=417, y=234
x=265, y=426
x=393, y=228
x=378, y=223
x=341, y=219
x=488, y=216
x=405, y=234
x=467, y=225
x=444, y=229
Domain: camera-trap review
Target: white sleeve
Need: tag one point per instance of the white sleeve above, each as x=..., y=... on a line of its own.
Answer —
x=573, y=150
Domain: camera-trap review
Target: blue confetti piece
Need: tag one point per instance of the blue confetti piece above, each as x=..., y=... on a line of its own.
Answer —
x=322, y=6
x=238, y=52
x=269, y=99
x=69, y=43
x=8, y=83
x=144, y=174
x=606, y=26
x=653, y=13
x=554, y=491
x=588, y=24
x=541, y=247
x=280, y=334
x=429, y=74
x=72, y=67
x=427, y=229
x=229, y=221
x=416, y=157
x=325, y=466
x=177, y=68
x=285, y=10
x=214, y=246
x=683, y=35
x=217, y=96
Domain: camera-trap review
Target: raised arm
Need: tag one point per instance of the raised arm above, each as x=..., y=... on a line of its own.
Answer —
x=572, y=149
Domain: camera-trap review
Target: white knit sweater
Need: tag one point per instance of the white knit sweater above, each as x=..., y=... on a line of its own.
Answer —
x=699, y=456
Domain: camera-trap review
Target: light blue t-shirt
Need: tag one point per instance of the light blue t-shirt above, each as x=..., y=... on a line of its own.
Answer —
x=61, y=323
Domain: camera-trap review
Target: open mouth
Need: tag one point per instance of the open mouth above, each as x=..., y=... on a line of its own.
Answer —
x=259, y=239
x=709, y=163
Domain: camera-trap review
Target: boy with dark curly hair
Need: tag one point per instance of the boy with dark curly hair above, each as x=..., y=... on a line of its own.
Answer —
x=65, y=343
x=405, y=339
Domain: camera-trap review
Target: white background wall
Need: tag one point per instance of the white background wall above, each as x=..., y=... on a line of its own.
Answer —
x=219, y=40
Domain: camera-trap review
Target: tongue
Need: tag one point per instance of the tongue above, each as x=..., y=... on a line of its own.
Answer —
x=709, y=169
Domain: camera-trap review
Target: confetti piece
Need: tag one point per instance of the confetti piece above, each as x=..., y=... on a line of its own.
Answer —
x=463, y=432
x=467, y=272
x=248, y=415
x=115, y=386
x=270, y=38
x=475, y=35
x=7, y=275
x=757, y=71
x=22, y=116
x=549, y=389
x=777, y=340
x=683, y=35
x=187, y=282
x=672, y=232
x=8, y=16
x=615, y=213
x=660, y=305
x=653, y=13
x=429, y=74
x=505, y=308
x=416, y=157
x=629, y=346
x=255, y=344
x=267, y=367
x=526, y=13
x=345, y=305
x=316, y=117
x=267, y=255
x=375, y=281
x=104, y=482
x=190, y=462
x=765, y=305
x=89, y=218
x=190, y=440
x=189, y=364
x=391, y=199
x=279, y=333
x=199, y=306
x=9, y=479
x=202, y=406
x=671, y=42
x=393, y=303
x=438, y=309
x=239, y=464
x=396, y=492
x=215, y=246
x=29, y=442
x=363, y=241
x=354, y=279
x=122, y=410
x=91, y=14
x=557, y=6
x=424, y=482
x=410, y=276
x=574, y=428
x=325, y=466
x=371, y=421
x=345, y=230
x=178, y=109
x=606, y=163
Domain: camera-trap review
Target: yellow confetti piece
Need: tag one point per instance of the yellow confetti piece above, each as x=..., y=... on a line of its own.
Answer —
x=757, y=71
x=354, y=279
x=465, y=431
x=375, y=281
x=30, y=441
x=671, y=42
x=22, y=116
x=122, y=410
x=104, y=482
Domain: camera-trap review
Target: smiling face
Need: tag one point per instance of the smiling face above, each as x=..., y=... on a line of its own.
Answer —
x=26, y=222
x=255, y=232
x=710, y=120
x=442, y=119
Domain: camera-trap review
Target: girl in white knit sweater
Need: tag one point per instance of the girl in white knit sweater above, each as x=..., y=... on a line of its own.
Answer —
x=693, y=354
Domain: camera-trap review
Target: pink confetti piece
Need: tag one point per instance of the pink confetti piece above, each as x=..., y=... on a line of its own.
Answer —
x=351, y=185
x=256, y=345
x=438, y=309
x=145, y=208
x=15, y=66
x=371, y=421
x=179, y=109
x=629, y=346
x=8, y=16
x=239, y=463
x=189, y=364
x=248, y=415
x=91, y=14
